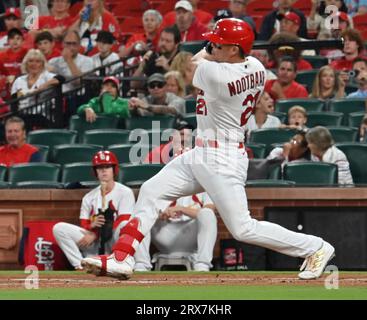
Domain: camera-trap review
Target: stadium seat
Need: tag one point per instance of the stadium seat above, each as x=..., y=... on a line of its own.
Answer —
x=355, y=119
x=2, y=173
x=347, y=106
x=308, y=104
x=316, y=61
x=258, y=149
x=270, y=183
x=77, y=172
x=44, y=151
x=134, y=175
x=271, y=135
x=48, y=172
x=343, y=134
x=311, y=173
x=192, y=46
x=281, y=116
x=190, y=105
x=306, y=78
x=38, y=185
x=324, y=119
x=165, y=122
x=357, y=157
x=69, y=153
x=4, y=185
x=191, y=119
x=80, y=125
x=51, y=137
x=105, y=137
x=122, y=152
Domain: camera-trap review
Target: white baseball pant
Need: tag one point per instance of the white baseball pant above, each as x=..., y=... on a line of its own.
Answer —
x=193, y=238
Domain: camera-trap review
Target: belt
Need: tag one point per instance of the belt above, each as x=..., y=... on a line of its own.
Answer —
x=213, y=143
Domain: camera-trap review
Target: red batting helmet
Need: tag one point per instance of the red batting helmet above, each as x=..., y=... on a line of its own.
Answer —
x=232, y=31
x=102, y=158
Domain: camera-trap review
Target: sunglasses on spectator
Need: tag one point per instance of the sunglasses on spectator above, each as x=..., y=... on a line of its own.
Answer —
x=153, y=85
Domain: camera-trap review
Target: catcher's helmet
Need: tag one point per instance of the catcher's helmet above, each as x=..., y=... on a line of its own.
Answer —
x=102, y=158
x=232, y=31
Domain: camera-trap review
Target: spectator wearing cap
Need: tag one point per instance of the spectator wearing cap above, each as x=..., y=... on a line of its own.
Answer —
x=57, y=21
x=290, y=22
x=353, y=48
x=159, y=101
x=105, y=56
x=92, y=18
x=316, y=19
x=180, y=141
x=190, y=28
x=271, y=22
x=238, y=10
x=107, y=103
x=46, y=44
x=16, y=149
x=142, y=42
x=285, y=87
x=220, y=14
x=202, y=16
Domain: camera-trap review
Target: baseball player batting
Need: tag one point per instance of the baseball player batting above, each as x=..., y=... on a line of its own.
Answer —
x=230, y=83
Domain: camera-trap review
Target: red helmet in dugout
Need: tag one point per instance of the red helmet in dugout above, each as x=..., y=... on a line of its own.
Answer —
x=103, y=158
x=232, y=31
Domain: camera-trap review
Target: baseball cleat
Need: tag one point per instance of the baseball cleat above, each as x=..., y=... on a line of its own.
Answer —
x=314, y=265
x=109, y=266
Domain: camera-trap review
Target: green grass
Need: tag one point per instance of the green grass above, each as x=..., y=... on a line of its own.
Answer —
x=190, y=293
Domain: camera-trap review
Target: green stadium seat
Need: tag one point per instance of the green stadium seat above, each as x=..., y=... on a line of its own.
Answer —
x=271, y=135
x=270, y=183
x=308, y=104
x=47, y=172
x=258, y=149
x=316, y=61
x=192, y=46
x=306, y=78
x=311, y=173
x=80, y=125
x=347, y=106
x=38, y=185
x=69, y=153
x=281, y=116
x=51, y=137
x=191, y=119
x=343, y=134
x=134, y=175
x=165, y=122
x=190, y=105
x=324, y=119
x=105, y=137
x=356, y=154
x=355, y=119
x=3, y=171
x=122, y=152
x=4, y=185
x=44, y=151
x=77, y=172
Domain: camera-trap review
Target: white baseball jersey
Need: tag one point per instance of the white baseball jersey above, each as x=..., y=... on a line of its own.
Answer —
x=121, y=199
x=227, y=97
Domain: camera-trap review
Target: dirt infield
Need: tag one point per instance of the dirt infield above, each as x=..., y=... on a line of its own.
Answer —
x=80, y=279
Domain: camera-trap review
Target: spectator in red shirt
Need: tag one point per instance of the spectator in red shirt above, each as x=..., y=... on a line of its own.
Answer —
x=191, y=29
x=285, y=87
x=142, y=42
x=93, y=18
x=201, y=15
x=281, y=39
x=11, y=59
x=353, y=48
x=45, y=43
x=17, y=150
